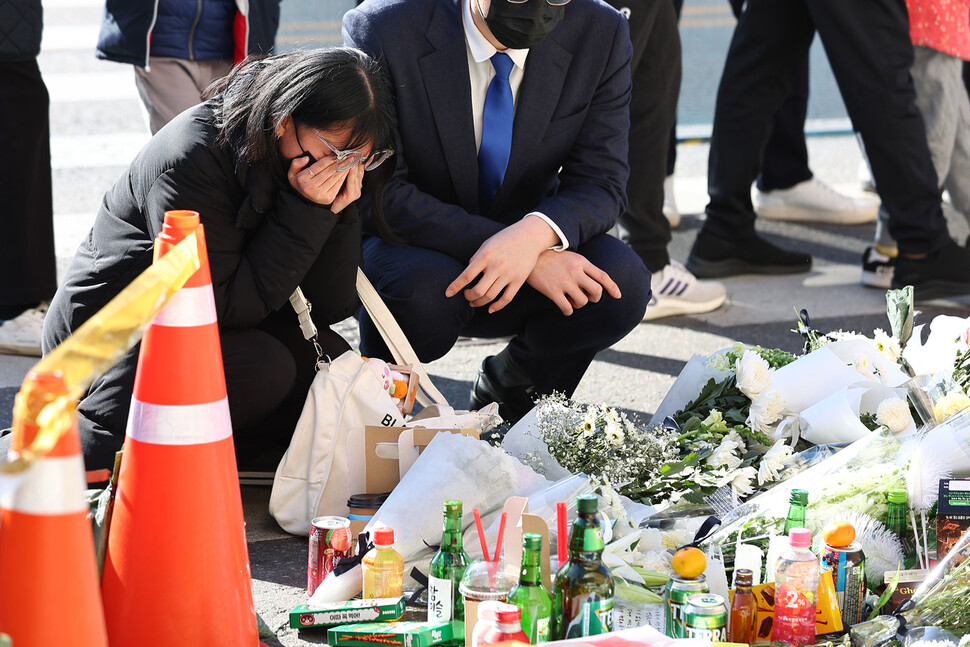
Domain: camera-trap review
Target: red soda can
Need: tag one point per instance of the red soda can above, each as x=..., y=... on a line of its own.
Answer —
x=330, y=541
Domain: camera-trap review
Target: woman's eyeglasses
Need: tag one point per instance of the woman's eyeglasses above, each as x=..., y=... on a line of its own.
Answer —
x=347, y=160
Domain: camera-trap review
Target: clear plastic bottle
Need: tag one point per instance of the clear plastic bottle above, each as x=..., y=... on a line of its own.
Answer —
x=382, y=567
x=796, y=588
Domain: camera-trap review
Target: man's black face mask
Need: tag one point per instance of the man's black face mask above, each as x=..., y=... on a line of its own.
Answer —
x=522, y=25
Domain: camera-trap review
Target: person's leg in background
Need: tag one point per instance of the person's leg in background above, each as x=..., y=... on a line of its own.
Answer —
x=27, y=261
x=670, y=210
x=656, y=73
x=871, y=54
x=770, y=41
x=172, y=85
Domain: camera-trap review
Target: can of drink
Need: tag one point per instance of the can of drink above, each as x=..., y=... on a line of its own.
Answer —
x=676, y=594
x=848, y=566
x=705, y=617
x=330, y=541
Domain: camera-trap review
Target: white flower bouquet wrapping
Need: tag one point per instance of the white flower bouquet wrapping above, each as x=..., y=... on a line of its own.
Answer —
x=856, y=479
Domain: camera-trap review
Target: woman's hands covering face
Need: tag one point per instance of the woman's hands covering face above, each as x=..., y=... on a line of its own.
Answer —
x=322, y=183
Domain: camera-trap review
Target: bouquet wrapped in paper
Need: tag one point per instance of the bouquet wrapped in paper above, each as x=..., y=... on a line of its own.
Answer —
x=854, y=480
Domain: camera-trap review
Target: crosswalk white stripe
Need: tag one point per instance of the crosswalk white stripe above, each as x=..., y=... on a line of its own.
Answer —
x=113, y=83
x=51, y=486
x=66, y=37
x=186, y=424
x=92, y=151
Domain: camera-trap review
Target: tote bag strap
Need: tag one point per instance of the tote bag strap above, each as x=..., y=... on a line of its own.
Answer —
x=388, y=327
x=395, y=339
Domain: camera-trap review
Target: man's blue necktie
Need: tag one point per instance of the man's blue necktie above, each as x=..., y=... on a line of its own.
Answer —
x=493, y=155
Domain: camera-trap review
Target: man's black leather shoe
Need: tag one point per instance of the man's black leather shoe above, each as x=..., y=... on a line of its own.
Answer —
x=513, y=402
x=713, y=257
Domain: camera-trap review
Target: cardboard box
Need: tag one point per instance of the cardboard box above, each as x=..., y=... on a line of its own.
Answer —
x=340, y=613
x=405, y=634
x=909, y=581
x=389, y=452
x=952, y=514
x=828, y=617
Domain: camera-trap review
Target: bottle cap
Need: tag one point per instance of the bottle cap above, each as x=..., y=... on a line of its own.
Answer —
x=897, y=496
x=532, y=541
x=799, y=497
x=367, y=501
x=453, y=507
x=383, y=536
x=800, y=537
x=743, y=577
x=587, y=504
x=507, y=614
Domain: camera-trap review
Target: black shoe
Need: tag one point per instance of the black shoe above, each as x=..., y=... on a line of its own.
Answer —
x=945, y=273
x=877, y=269
x=513, y=401
x=715, y=257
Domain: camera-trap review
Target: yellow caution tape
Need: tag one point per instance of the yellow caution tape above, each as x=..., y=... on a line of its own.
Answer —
x=95, y=347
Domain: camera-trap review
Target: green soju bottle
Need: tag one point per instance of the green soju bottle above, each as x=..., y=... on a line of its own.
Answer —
x=896, y=524
x=533, y=600
x=796, y=510
x=582, y=603
x=447, y=566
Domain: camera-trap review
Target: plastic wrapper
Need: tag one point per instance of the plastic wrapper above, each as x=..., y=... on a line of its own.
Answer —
x=941, y=600
x=856, y=478
x=453, y=466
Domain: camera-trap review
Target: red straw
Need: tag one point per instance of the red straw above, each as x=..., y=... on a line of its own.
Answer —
x=481, y=533
x=501, y=536
x=561, y=532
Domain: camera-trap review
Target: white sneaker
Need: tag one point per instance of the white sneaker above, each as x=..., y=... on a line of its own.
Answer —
x=864, y=175
x=814, y=201
x=670, y=203
x=677, y=292
x=21, y=335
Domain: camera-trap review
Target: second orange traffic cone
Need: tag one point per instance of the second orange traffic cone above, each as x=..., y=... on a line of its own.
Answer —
x=48, y=575
x=177, y=566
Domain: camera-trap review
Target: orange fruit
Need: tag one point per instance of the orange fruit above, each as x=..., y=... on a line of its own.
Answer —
x=838, y=534
x=689, y=562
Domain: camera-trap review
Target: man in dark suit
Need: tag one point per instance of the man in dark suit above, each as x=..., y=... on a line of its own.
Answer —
x=525, y=254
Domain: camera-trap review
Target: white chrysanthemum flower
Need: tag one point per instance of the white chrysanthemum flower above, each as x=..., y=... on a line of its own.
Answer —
x=765, y=410
x=950, y=404
x=724, y=457
x=753, y=374
x=894, y=414
x=774, y=460
x=887, y=344
x=614, y=433
x=742, y=481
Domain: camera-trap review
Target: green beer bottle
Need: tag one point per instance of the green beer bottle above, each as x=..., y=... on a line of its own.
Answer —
x=447, y=566
x=582, y=603
x=533, y=600
x=796, y=510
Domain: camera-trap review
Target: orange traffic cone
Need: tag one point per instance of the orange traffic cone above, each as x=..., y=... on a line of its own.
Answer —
x=177, y=568
x=48, y=575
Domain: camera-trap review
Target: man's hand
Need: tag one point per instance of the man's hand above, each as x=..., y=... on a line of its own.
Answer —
x=503, y=263
x=570, y=280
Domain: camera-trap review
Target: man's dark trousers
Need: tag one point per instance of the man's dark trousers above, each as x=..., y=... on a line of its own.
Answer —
x=868, y=45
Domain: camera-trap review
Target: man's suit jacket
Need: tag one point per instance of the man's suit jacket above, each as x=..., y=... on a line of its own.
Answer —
x=569, y=148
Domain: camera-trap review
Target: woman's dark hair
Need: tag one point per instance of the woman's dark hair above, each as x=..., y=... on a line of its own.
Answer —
x=320, y=88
